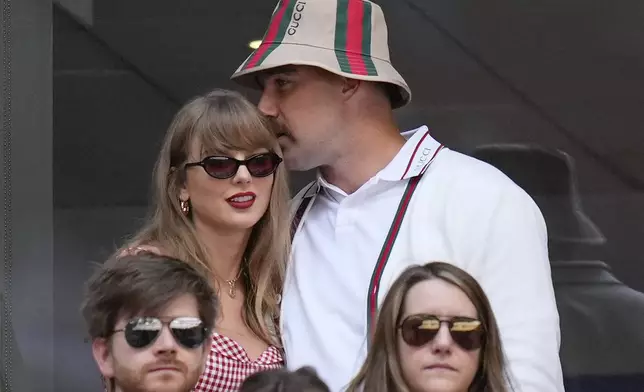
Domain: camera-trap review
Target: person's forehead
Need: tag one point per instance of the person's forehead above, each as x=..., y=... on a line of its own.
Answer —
x=284, y=70
x=435, y=296
x=281, y=70
x=184, y=305
x=180, y=306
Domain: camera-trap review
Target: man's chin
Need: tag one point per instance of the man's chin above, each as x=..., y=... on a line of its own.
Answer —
x=294, y=165
x=167, y=382
x=295, y=160
x=168, y=386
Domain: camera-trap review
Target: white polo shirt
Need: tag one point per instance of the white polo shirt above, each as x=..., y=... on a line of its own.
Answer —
x=464, y=212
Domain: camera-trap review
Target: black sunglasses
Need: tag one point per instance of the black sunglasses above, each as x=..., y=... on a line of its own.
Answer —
x=141, y=332
x=223, y=167
x=419, y=329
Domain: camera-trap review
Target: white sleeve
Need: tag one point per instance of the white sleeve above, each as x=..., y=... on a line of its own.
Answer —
x=514, y=270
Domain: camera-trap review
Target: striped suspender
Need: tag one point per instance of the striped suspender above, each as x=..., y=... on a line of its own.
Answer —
x=374, y=285
x=376, y=276
x=301, y=209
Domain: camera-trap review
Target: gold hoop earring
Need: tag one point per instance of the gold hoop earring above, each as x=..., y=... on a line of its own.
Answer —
x=185, y=207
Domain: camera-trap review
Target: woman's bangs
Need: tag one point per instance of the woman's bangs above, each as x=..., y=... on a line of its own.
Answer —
x=237, y=130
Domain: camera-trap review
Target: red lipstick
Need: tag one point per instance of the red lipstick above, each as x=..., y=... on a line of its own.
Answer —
x=242, y=200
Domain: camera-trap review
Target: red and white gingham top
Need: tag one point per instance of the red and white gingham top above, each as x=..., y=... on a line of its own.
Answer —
x=228, y=365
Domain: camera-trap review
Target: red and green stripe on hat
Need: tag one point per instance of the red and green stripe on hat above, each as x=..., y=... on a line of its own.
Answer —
x=352, y=36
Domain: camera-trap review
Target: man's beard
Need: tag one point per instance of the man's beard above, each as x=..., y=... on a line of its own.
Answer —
x=129, y=380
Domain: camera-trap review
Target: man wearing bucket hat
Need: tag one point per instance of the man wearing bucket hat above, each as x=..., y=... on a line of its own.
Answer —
x=384, y=200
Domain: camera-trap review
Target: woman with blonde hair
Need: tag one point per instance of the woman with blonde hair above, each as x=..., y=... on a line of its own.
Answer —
x=221, y=205
x=435, y=332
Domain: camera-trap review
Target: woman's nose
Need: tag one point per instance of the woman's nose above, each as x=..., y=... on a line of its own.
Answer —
x=442, y=342
x=242, y=176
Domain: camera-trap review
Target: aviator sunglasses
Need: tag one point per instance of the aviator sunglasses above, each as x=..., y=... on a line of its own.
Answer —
x=419, y=329
x=223, y=167
x=141, y=332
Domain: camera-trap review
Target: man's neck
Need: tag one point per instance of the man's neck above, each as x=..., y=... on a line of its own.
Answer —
x=225, y=249
x=371, y=150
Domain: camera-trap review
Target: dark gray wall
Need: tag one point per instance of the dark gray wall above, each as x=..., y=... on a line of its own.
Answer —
x=82, y=237
x=27, y=230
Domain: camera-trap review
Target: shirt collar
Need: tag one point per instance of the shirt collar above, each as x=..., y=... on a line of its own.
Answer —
x=329, y=189
x=413, y=157
x=411, y=160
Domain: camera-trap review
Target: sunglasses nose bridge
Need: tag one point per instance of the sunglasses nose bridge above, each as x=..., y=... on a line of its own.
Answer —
x=242, y=174
x=165, y=341
x=443, y=338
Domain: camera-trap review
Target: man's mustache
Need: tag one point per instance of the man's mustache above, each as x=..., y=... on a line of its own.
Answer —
x=278, y=128
x=168, y=363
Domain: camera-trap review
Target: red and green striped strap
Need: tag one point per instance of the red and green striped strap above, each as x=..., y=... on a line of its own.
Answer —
x=301, y=209
x=353, y=37
x=374, y=285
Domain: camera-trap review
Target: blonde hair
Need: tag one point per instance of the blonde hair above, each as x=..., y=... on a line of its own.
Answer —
x=381, y=371
x=222, y=121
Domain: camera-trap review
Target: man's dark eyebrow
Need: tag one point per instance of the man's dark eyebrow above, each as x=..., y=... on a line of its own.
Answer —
x=283, y=70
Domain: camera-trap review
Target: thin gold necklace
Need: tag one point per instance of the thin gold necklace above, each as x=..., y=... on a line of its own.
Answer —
x=232, y=284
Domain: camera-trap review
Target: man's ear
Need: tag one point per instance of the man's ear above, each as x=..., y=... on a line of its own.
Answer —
x=349, y=87
x=103, y=357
